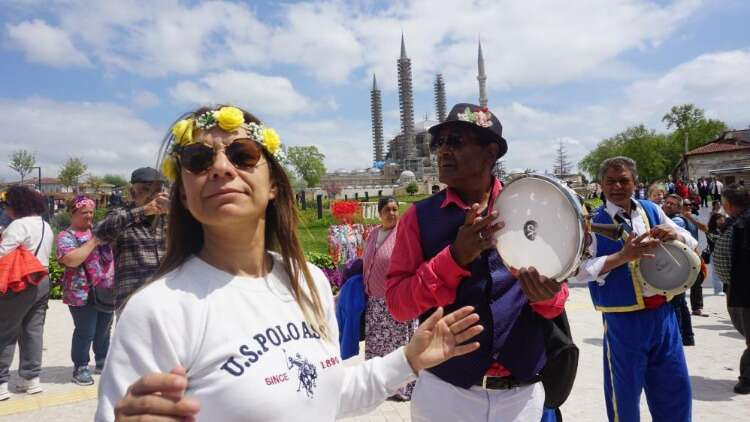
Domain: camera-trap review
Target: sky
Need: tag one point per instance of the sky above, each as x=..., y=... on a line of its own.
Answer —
x=104, y=80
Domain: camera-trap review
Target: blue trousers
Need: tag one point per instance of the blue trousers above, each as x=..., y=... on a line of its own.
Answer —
x=643, y=350
x=91, y=326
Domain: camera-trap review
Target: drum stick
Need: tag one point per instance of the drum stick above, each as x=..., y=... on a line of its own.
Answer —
x=670, y=254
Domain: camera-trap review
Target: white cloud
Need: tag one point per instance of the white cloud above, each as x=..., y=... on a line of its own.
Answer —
x=717, y=82
x=42, y=43
x=107, y=137
x=144, y=99
x=257, y=93
x=345, y=144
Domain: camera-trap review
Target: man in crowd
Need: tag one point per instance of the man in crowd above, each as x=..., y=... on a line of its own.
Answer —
x=732, y=264
x=703, y=191
x=642, y=343
x=716, y=188
x=672, y=207
x=447, y=257
x=137, y=232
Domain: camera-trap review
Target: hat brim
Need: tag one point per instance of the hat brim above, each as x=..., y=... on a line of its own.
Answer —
x=483, y=132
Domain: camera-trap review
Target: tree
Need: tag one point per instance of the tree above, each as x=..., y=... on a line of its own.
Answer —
x=308, y=162
x=114, y=179
x=692, y=129
x=562, y=164
x=71, y=171
x=646, y=147
x=412, y=188
x=94, y=182
x=22, y=162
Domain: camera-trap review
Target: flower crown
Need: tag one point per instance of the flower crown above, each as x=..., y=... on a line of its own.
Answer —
x=226, y=118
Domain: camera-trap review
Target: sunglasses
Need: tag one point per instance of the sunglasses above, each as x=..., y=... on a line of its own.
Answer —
x=242, y=153
x=453, y=140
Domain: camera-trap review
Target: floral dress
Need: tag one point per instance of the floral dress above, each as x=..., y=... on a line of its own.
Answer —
x=97, y=270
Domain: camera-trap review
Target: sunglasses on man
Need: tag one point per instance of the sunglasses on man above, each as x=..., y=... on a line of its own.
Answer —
x=197, y=158
x=453, y=140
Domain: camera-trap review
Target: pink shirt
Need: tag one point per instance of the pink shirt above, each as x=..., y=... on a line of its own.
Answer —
x=414, y=285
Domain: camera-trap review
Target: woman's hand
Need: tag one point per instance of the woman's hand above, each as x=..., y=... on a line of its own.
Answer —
x=440, y=338
x=157, y=397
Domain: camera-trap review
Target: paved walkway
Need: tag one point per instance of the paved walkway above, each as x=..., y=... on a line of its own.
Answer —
x=712, y=363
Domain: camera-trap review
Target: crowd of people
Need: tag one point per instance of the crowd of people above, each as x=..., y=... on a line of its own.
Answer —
x=219, y=316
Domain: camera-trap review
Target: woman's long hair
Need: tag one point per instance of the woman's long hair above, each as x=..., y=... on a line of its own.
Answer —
x=185, y=236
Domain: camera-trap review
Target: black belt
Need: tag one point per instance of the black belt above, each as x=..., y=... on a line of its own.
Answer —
x=504, y=383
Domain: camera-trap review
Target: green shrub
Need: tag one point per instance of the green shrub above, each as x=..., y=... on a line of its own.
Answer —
x=322, y=260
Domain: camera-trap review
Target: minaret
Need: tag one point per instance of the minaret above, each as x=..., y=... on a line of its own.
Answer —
x=440, y=98
x=482, y=78
x=406, y=101
x=376, y=111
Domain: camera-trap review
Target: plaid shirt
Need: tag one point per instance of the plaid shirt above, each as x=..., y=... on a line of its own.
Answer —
x=139, y=243
x=722, y=252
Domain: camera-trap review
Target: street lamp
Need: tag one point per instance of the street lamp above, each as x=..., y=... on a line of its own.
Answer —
x=39, y=177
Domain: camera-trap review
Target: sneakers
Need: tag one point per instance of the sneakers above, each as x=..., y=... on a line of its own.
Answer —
x=742, y=388
x=32, y=386
x=98, y=369
x=699, y=312
x=4, y=394
x=82, y=376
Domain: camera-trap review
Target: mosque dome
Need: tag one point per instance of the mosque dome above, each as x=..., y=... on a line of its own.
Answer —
x=406, y=177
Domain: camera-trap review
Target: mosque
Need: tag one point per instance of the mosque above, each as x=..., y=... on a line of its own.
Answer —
x=406, y=158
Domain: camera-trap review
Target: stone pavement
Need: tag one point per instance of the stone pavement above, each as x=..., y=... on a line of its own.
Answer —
x=713, y=368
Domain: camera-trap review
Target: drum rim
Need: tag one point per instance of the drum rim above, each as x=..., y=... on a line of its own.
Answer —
x=578, y=209
x=695, y=264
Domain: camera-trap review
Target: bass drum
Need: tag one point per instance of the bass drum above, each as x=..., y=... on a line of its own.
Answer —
x=544, y=226
x=673, y=269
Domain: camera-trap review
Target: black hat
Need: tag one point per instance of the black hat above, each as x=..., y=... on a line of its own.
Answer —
x=146, y=175
x=478, y=118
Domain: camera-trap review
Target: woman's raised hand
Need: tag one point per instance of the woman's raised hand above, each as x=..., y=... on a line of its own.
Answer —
x=440, y=338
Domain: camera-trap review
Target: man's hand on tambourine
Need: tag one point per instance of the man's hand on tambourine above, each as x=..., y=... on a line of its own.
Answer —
x=535, y=286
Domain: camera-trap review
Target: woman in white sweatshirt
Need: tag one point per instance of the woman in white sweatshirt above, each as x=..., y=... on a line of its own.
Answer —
x=246, y=328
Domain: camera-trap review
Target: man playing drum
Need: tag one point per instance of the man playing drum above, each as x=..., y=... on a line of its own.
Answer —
x=446, y=256
x=642, y=344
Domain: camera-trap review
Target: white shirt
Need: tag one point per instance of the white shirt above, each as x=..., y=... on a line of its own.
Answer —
x=591, y=268
x=27, y=232
x=248, y=352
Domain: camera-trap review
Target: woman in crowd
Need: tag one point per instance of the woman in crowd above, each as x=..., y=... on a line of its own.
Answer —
x=656, y=193
x=22, y=313
x=245, y=325
x=383, y=334
x=716, y=225
x=88, y=265
x=716, y=208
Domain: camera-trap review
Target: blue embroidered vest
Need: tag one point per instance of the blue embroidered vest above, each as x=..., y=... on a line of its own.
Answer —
x=513, y=333
x=621, y=291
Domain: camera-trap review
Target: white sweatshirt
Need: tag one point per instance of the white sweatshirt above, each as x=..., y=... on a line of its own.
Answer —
x=248, y=352
x=27, y=232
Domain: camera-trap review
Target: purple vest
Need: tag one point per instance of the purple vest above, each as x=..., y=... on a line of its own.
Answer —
x=513, y=333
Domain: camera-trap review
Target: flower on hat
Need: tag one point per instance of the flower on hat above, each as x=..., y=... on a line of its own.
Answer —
x=271, y=140
x=482, y=117
x=183, y=132
x=229, y=118
x=169, y=168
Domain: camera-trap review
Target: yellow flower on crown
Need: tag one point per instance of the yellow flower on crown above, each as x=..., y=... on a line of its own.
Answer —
x=183, y=132
x=229, y=118
x=169, y=168
x=271, y=140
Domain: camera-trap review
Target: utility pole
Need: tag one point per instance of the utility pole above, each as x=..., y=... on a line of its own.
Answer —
x=685, y=157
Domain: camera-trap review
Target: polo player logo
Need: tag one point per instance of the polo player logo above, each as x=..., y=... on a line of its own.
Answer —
x=306, y=373
x=529, y=229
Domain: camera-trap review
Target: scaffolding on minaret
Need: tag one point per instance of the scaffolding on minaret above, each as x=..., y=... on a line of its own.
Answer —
x=440, y=98
x=406, y=100
x=376, y=112
x=482, y=78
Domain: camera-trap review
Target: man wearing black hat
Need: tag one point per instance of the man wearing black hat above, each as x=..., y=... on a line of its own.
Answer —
x=137, y=233
x=447, y=257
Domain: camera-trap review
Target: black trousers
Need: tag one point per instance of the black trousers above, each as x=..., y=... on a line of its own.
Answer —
x=741, y=321
x=681, y=311
x=696, y=295
x=704, y=200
